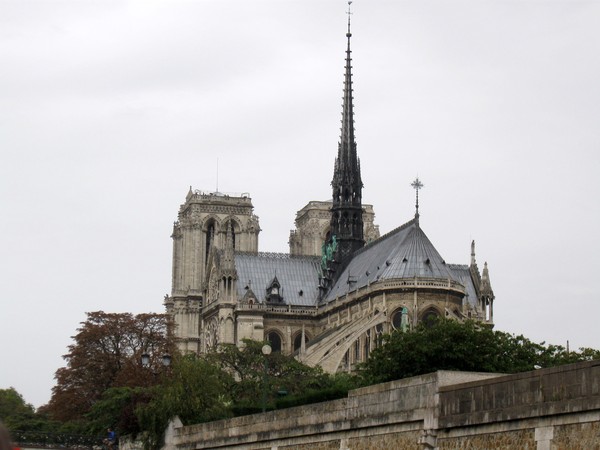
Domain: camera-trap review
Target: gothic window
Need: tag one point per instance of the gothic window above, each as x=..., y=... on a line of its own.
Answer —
x=487, y=308
x=397, y=318
x=232, y=229
x=298, y=341
x=210, y=235
x=430, y=317
x=274, y=341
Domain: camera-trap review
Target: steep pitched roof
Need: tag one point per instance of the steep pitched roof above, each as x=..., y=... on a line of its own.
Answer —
x=405, y=252
x=462, y=274
x=298, y=276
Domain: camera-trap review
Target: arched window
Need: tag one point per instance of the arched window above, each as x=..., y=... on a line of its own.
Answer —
x=210, y=235
x=274, y=341
x=232, y=229
x=430, y=317
x=397, y=318
x=298, y=341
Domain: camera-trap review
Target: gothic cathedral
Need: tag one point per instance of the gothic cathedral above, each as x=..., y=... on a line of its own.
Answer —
x=338, y=290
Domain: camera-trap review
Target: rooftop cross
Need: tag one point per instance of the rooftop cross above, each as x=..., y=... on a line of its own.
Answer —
x=417, y=185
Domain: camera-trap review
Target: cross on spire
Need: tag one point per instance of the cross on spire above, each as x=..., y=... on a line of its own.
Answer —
x=417, y=185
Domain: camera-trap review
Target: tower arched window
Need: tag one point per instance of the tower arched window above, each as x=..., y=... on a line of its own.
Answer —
x=232, y=229
x=210, y=235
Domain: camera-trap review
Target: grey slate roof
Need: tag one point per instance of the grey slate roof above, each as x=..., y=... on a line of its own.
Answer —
x=462, y=274
x=405, y=252
x=295, y=274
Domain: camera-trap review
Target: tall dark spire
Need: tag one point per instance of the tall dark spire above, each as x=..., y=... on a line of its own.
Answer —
x=346, y=211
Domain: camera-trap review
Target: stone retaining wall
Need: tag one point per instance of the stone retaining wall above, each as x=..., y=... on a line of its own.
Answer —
x=556, y=408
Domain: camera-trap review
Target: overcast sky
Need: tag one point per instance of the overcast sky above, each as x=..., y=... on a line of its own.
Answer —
x=111, y=110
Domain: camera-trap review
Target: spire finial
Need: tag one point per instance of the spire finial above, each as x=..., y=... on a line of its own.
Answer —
x=349, y=12
x=417, y=185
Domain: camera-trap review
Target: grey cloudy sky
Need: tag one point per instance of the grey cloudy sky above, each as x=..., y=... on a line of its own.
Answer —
x=110, y=110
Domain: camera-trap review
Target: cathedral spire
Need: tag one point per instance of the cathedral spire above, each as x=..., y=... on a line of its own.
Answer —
x=347, y=163
x=346, y=211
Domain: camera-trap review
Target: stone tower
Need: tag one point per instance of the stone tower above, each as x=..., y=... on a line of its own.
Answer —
x=204, y=221
x=313, y=228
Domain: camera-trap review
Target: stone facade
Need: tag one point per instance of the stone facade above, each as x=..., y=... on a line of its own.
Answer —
x=203, y=223
x=313, y=228
x=555, y=408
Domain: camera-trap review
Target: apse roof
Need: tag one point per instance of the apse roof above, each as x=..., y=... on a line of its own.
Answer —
x=297, y=275
x=405, y=252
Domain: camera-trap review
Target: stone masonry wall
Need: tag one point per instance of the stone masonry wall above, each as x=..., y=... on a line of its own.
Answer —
x=547, y=409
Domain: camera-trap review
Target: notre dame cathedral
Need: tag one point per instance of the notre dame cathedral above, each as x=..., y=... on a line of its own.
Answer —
x=337, y=291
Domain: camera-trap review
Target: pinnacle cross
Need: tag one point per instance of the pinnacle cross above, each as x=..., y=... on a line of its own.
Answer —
x=417, y=185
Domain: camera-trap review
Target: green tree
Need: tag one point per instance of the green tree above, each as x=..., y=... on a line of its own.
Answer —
x=195, y=391
x=14, y=411
x=106, y=354
x=468, y=346
x=117, y=409
x=288, y=382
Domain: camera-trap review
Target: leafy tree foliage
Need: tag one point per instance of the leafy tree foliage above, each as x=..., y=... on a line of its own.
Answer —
x=117, y=409
x=21, y=418
x=15, y=413
x=287, y=381
x=194, y=390
x=468, y=346
x=106, y=354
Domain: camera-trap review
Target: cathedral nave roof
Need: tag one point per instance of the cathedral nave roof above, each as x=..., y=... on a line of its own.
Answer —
x=297, y=275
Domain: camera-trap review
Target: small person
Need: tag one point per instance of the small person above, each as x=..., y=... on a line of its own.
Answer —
x=110, y=439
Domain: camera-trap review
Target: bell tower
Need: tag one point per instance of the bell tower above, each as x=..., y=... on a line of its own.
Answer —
x=206, y=220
